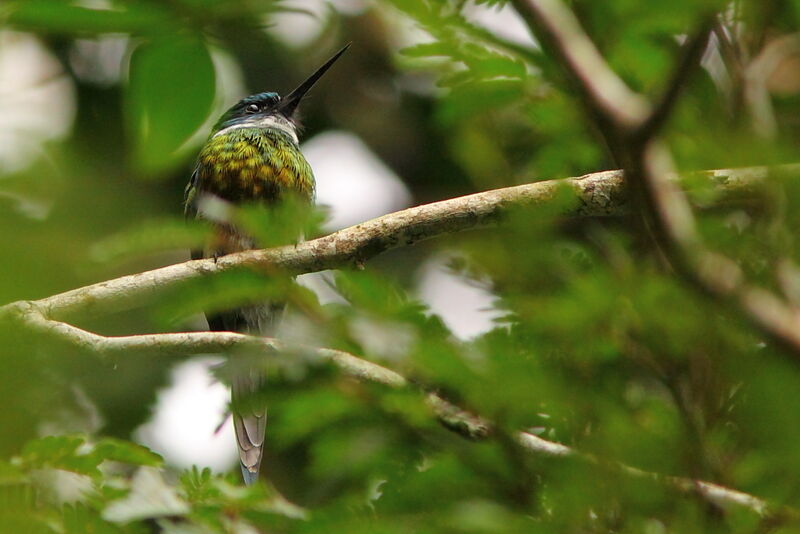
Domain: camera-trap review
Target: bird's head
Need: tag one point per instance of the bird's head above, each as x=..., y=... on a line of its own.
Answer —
x=270, y=110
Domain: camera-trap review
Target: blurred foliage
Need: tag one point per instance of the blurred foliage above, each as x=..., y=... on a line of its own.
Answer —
x=596, y=344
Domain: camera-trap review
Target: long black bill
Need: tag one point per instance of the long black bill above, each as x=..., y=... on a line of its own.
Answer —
x=290, y=102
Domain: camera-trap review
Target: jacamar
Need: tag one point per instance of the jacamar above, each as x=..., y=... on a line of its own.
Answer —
x=251, y=156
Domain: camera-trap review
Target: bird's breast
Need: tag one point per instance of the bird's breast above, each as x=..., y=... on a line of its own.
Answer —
x=250, y=164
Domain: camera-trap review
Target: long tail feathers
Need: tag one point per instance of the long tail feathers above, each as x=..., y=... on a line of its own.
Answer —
x=247, y=380
x=249, y=423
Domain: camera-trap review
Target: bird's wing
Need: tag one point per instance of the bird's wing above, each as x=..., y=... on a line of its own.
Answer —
x=190, y=206
x=190, y=194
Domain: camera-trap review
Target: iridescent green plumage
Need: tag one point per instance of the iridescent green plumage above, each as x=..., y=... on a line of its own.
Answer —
x=249, y=164
x=252, y=164
x=252, y=156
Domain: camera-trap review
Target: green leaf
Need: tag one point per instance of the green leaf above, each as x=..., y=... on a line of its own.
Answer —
x=79, y=519
x=281, y=224
x=496, y=66
x=428, y=50
x=373, y=293
x=228, y=290
x=152, y=236
x=170, y=95
x=150, y=497
x=70, y=453
x=469, y=99
x=126, y=452
x=64, y=17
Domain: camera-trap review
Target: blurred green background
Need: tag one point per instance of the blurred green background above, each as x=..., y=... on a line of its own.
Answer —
x=573, y=329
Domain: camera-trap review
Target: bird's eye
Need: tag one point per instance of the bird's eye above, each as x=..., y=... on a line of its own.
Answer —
x=252, y=108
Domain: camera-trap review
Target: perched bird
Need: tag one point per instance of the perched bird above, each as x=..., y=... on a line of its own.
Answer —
x=251, y=156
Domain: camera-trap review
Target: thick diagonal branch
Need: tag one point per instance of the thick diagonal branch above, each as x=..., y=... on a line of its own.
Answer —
x=598, y=194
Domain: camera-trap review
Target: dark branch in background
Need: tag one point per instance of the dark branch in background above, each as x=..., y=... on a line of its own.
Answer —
x=692, y=53
x=648, y=166
x=32, y=317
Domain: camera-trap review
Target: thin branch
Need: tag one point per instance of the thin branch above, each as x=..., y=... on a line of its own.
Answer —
x=728, y=49
x=33, y=318
x=692, y=53
x=30, y=316
x=756, y=76
x=603, y=91
x=598, y=194
x=713, y=273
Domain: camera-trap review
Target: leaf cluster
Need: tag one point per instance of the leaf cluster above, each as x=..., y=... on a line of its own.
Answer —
x=594, y=342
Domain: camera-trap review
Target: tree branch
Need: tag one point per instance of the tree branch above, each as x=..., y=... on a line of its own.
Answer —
x=756, y=75
x=32, y=317
x=648, y=166
x=692, y=53
x=603, y=92
x=598, y=194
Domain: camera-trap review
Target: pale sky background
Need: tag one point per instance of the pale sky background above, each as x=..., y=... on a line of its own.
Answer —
x=37, y=105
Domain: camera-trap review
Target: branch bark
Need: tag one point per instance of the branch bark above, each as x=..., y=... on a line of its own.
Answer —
x=598, y=194
x=33, y=317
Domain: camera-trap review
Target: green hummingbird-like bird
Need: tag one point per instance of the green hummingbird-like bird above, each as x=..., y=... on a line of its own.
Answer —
x=252, y=156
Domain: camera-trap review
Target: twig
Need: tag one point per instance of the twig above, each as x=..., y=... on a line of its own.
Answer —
x=728, y=49
x=33, y=318
x=756, y=76
x=692, y=52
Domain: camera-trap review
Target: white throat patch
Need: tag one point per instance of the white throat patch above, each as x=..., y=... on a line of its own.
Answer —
x=270, y=121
